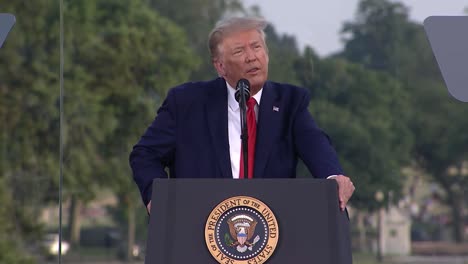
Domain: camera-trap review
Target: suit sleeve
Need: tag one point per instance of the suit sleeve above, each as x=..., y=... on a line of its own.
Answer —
x=155, y=150
x=313, y=145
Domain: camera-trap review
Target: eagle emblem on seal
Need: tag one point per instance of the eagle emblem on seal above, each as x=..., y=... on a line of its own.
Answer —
x=241, y=229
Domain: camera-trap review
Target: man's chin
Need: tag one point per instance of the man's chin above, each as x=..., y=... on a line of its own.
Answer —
x=257, y=82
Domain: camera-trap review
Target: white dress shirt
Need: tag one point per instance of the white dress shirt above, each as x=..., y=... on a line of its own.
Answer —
x=234, y=127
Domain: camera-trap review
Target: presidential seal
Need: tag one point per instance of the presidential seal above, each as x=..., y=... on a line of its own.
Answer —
x=241, y=230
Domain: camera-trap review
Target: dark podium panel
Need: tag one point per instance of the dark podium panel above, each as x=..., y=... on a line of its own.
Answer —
x=312, y=229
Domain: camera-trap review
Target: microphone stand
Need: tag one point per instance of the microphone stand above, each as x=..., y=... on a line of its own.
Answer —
x=244, y=131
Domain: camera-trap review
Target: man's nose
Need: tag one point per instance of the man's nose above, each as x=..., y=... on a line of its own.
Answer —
x=250, y=55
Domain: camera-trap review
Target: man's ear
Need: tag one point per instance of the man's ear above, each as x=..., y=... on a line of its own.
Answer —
x=219, y=66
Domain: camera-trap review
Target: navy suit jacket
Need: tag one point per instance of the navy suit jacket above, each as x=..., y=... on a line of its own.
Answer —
x=190, y=136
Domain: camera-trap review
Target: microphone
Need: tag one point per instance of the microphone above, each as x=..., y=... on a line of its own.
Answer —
x=242, y=95
x=242, y=90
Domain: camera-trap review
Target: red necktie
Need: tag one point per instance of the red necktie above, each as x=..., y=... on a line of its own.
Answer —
x=252, y=133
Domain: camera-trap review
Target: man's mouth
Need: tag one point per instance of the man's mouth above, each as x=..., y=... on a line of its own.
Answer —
x=253, y=70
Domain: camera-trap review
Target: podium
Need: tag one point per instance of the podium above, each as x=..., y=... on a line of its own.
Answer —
x=307, y=227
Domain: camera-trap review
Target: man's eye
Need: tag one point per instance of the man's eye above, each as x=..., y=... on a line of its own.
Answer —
x=236, y=52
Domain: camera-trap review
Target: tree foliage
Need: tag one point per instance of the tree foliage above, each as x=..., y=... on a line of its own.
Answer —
x=197, y=18
x=365, y=113
x=120, y=58
x=383, y=38
x=10, y=244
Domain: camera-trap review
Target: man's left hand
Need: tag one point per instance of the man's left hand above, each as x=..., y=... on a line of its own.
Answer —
x=345, y=189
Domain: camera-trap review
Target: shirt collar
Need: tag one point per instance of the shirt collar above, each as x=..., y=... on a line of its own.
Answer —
x=233, y=104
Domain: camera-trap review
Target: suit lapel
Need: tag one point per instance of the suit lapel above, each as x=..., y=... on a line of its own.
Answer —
x=217, y=116
x=267, y=128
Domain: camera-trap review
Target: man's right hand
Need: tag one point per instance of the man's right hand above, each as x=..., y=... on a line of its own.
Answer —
x=148, y=207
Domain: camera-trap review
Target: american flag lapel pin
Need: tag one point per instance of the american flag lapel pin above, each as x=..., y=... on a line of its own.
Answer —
x=275, y=108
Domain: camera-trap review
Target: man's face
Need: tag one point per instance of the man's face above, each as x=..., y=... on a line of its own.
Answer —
x=243, y=54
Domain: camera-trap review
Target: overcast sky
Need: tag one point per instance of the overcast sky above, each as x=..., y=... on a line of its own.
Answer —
x=317, y=22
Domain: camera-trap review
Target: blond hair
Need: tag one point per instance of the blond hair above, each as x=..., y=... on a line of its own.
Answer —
x=232, y=25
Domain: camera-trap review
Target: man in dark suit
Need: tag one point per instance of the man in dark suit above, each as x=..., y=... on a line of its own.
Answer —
x=196, y=133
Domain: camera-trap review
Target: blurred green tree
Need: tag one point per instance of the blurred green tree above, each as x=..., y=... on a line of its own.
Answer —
x=197, y=18
x=284, y=54
x=132, y=56
x=29, y=118
x=121, y=57
x=383, y=38
x=440, y=124
x=365, y=113
x=10, y=246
